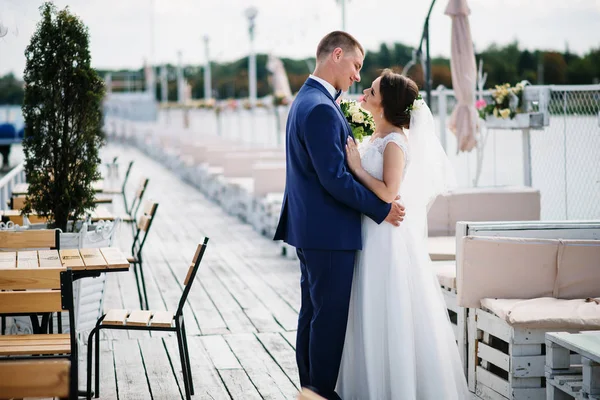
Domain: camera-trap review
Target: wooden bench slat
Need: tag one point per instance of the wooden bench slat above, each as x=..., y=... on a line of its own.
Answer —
x=8, y=260
x=71, y=258
x=51, y=378
x=23, y=279
x=50, y=259
x=115, y=317
x=30, y=302
x=150, y=208
x=92, y=258
x=45, y=338
x=144, y=223
x=139, y=318
x=27, y=259
x=114, y=257
x=162, y=319
x=30, y=349
x=33, y=239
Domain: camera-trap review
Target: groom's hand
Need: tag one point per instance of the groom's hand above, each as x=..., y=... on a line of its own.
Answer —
x=396, y=214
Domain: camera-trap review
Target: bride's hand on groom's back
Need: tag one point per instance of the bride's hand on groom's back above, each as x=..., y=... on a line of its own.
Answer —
x=396, y=214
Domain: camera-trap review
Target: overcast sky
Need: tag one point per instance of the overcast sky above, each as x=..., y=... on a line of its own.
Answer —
x=120, y=30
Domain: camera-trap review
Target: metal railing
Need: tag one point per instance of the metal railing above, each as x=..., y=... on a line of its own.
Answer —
x=8, y=182
x=564, y=162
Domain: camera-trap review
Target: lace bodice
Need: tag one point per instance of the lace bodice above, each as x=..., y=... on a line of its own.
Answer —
x=371, y=153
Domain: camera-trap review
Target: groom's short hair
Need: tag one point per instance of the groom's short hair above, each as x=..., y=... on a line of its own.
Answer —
x=335, y=39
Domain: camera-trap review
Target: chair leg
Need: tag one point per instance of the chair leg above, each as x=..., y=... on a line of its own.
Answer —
x=88, y=386
x=137, y=283
x=187, y=357
x=97, y=375
x=143, y=288
x=186, y=384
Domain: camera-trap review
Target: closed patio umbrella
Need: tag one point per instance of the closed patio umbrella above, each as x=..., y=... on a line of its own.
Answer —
x=463, y=121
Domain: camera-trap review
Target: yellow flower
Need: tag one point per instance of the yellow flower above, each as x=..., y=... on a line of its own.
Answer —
x=505, y=113
x=495, y=112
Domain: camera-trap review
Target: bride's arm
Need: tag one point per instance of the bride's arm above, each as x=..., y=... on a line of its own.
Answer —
x=393, y=168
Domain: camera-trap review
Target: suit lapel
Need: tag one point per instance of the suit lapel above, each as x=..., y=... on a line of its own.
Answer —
x=314, y=84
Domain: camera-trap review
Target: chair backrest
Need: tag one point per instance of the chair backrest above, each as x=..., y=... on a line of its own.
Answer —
x=30, y=239
x=525, y=268
x=143, y=227
x=34, y=290
x=137, y=200
x=191, y=274
x=126, y=176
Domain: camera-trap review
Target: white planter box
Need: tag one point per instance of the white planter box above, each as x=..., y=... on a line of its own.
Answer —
x=520, y=121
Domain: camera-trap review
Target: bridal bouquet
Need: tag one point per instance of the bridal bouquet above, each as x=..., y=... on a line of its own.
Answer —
x=361, y=121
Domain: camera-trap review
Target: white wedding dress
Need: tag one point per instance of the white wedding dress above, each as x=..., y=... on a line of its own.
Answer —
x=399, y=343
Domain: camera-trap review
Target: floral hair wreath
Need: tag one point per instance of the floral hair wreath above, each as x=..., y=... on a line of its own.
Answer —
x=412, y=106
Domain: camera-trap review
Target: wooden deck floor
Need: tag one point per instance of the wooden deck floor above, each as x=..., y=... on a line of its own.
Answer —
x=242, y=311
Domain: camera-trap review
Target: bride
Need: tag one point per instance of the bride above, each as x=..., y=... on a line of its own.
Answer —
x=399, y=343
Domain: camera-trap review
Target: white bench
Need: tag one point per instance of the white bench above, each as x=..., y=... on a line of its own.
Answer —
x=519, y=289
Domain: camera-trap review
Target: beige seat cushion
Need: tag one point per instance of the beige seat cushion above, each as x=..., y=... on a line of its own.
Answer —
x=446, y=273
x=546, y=313
x=442, y=248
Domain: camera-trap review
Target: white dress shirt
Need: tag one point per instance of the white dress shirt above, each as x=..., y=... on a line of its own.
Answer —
x=326, y=84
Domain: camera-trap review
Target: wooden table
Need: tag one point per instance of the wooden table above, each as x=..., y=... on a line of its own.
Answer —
x=563, y=375
x=97, y=214
x=83, y=262
x=23, y=188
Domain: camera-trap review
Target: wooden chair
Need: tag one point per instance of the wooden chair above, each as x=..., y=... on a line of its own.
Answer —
x=137, y=201
x=149, y=321
x=28, y=240
x=123, y=186
x=38, y=365
x=142, y=228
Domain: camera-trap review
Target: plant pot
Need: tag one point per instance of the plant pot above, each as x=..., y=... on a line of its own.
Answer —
x=520, y=121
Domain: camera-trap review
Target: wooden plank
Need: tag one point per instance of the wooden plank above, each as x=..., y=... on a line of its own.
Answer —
x=281, y=351
x=71, y=258
x=139, y=318
x=143, y=223
x=8, y=259
x=207, y=383
x=493, y=325
x=31, y=239
x=494, y=356
x=493, y=381
x=30, y=302
x=238, y=384
x=115, y=317
x=51, y=378
x=129, y=368
x=27, y=259
x=233, y=315
x=162, y=318
x=114, y=257
x=93, y=259
x=290, y=337
x=219, y=352
x=20, y=189
x=264, y=372
x=258, y=313
x=50, y=259
x=25, y=279
x=162, y=381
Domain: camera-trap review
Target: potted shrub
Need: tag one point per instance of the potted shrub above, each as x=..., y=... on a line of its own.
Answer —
x=62, y=110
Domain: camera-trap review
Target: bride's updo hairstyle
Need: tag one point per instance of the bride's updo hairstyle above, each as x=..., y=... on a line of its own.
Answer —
x=397, y=94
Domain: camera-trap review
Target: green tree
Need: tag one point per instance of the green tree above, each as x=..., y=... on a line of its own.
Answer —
x=555, y=68
x=11, y=90
x=62, y=113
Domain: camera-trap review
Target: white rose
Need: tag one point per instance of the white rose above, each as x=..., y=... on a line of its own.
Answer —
x=358, y=117
x=354, y=110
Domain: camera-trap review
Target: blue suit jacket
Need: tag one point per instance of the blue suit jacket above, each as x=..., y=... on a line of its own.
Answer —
x=323, y=203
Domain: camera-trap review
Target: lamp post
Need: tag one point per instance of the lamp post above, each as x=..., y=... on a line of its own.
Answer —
x=343, y=7
x=207, y=77
x=251, y=13
x=180, y=82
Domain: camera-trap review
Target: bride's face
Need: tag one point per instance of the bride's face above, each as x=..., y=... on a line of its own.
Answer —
x=372, y=98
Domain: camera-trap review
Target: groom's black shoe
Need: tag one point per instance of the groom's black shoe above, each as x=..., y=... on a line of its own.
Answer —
x=311, y=393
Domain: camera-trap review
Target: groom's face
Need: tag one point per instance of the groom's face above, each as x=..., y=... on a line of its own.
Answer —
x=348, y=65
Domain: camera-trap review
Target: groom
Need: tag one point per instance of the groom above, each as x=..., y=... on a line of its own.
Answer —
x=322, y=207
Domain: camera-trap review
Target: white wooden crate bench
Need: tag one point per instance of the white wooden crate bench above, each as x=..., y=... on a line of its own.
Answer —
x=520, y=289
x=573, y=365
